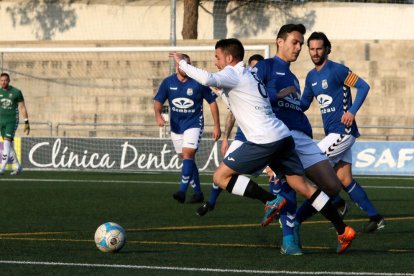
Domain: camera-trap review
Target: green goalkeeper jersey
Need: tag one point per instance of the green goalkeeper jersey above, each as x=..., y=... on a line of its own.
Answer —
x=9, y=103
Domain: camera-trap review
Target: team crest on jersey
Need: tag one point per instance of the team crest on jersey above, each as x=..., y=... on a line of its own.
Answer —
x=189, y=91
x=324, y=84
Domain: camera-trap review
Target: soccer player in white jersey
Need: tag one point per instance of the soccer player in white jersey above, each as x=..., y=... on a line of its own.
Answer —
x=227, y=148
x=330, y=83
x=185, y=97
x=268, y=142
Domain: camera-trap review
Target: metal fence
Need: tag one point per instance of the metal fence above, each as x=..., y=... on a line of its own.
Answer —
x=62, y=129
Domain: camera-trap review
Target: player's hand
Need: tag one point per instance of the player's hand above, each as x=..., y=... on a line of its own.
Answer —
x=347, y=119
x=160, y=121
x=224, y=146
x=26, y=127
x=216, y=133
x=176, y=56
x=290, y=90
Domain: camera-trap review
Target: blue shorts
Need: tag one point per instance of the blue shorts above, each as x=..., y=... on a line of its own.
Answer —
x=280, y=156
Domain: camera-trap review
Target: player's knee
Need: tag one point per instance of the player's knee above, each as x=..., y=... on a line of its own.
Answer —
x=333, y=190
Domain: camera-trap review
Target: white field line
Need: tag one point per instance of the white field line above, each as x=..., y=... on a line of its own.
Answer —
x=162, y=182
x=215, y=270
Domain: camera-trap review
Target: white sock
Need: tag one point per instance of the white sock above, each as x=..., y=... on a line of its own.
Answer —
x=5, y=154
x=13, y=156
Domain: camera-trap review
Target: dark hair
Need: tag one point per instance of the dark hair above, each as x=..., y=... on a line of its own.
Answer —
x=5, y=75
x=231, y=46
x=255, y=57
x=288, y=28
x=187, y=58
x=324, y=38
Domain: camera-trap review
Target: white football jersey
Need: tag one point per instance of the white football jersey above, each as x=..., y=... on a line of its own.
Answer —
x=247, y=100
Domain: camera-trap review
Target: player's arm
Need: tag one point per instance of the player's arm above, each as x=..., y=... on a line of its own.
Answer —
x=228, y=126
x=216, y=119
x=307, y=97
x=352, y=80
x=222, y=79
x=157, y=110
x=290, y=90
x=25, y=115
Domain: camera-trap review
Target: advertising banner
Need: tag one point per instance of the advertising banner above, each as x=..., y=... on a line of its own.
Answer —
x=369, y=157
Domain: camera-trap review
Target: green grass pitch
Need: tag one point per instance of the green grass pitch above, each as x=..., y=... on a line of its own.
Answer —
x=48, y=220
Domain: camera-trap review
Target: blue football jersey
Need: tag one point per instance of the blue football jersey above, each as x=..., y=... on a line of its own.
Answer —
x=333, y=96
x=186, y=102
x=240, y=135
x=276, y=75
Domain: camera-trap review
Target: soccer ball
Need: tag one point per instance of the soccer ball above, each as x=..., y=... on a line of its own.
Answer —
x=110, y=237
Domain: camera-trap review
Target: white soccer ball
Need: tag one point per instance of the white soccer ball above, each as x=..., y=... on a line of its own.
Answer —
x=110, y=237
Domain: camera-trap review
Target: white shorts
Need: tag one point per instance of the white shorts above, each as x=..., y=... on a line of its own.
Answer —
x=308, y=151
x=189, y=139
x=338, y=147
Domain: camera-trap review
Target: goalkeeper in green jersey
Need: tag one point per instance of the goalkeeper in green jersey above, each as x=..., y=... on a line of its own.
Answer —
x=11, y=102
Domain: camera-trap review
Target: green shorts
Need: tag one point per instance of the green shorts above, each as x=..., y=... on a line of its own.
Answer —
x=8, y=129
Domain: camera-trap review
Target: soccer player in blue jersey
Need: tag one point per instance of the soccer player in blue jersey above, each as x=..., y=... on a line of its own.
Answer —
x=284, y=93
x=330, y=83
x=185, y=97
x=227, y=148
x=268, y=140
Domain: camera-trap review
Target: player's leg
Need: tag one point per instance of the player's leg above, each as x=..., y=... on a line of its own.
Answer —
x=5, y=154
x=15, y=160
x=177, y=140
x=247, y=159
x=289, y=163
x=191, y=140
x=216, y=190
x=8, y=130
x=287, y=219
x=360, y=197
x=278, y=185
x=321, y=202
x=338, y=148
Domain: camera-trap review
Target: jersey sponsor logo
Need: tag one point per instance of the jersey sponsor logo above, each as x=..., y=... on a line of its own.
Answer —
x=6, y=103
x=324, y=100
x=325, y=84
x=189, y=91
x=173, y=88
x=183, y=103
x=280, y=73
x=314, y=84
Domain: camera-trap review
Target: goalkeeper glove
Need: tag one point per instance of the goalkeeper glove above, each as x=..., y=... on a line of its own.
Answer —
x=26, y=127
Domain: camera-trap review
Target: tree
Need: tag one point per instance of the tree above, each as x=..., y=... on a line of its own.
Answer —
x=190, y=23
x=45, y=17
x=250, y=16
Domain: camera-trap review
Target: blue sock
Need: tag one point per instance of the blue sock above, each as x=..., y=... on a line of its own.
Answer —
x=215, y=192
x=305, y=211
x=186, y=174
x=195, y=180
x=288, y=212
x=275, y=186
x=359, y=196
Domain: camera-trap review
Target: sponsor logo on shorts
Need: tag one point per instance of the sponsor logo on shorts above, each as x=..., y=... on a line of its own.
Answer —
x=231, y=159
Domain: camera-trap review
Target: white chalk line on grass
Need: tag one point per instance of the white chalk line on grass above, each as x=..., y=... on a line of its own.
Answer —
x=157, y=182
x=195, y=269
